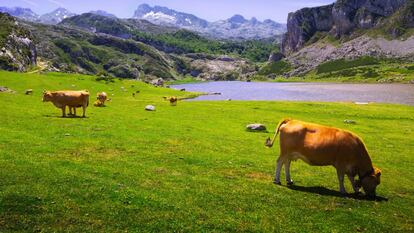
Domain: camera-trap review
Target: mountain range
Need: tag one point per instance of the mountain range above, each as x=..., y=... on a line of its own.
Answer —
x=52, y=18
x=235, y=28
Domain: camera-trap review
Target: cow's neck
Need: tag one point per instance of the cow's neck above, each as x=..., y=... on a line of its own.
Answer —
x=365, y=167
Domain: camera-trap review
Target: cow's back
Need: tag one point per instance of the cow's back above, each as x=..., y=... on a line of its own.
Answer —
x=71, y=98
x=318, y=145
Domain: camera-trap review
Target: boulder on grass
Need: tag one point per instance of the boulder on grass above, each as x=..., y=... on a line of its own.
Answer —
x=256, y=127
x=150, y=108
x=158, y=82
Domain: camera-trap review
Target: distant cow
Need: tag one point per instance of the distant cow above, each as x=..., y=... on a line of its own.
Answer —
x=173, y=100
x=102, y=97
x=319, y=145
x=72, y=99
x=98, y=103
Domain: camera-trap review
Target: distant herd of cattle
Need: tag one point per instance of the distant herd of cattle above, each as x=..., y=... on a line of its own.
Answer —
x=315, y=144
x=80, y=99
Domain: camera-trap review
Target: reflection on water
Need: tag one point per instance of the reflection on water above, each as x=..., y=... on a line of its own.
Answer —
x=385, y=93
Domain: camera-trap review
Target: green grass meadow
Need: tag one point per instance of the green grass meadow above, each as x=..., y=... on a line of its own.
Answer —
x=189, y=168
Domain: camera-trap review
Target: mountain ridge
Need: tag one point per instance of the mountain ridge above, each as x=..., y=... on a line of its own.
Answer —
x=235, y=27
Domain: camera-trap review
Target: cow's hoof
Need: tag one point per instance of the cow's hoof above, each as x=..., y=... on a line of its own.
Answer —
x=277, y=182
x=290, y=183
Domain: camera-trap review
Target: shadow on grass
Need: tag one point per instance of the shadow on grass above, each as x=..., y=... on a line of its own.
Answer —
x=67, y=117
x=17, y=211
x=328, y=192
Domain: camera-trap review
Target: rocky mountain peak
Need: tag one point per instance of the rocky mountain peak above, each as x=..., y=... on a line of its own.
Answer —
x=56, y=16
x=23, y=13
x=103, y=13
x=237, y=19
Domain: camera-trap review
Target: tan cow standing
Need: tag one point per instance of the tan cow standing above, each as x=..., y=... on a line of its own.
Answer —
x=319, y=145
x=72, y=99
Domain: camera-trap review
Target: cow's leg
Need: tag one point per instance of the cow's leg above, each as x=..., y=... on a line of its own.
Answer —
x=354, y=186
x=70, y=110
x=287, y=172
x=341, y=176
x=74, y=111
x=64, y=111
x=84, y=111
x=279, y=164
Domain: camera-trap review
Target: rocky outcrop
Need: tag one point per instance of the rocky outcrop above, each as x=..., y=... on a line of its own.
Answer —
x=275, y=57
x=311, y=56
x=338, y=19
x=17, y=49
x=303, y=24
x=209, y=67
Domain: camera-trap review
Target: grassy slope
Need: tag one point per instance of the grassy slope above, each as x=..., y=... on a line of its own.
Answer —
x=185, y=168
x=362, y=70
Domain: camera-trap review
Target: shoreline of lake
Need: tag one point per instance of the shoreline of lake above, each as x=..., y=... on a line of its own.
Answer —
x=395, y=93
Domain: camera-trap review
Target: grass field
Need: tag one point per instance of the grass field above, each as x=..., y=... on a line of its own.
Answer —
x=189, y=168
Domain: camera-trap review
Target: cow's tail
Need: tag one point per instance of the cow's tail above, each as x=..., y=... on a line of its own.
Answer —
x=269, y=143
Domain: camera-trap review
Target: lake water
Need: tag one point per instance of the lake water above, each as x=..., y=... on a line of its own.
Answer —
x=330, y=92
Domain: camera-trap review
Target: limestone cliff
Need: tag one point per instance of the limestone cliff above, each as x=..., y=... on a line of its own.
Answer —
x=338, y=19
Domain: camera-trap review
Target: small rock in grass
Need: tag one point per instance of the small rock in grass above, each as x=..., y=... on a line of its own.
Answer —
x=6, y=89
x=29, y=91
x=350, y=122
x=256, y=127
x=150, y=108
x=158, y=82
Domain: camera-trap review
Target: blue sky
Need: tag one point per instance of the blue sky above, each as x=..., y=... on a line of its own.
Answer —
x=208, y=9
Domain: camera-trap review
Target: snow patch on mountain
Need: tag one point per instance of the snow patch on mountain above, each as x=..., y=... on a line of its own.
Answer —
x=159, y=17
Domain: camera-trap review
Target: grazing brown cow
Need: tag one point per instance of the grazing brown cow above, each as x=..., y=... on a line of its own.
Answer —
x=72, y=99
x=320, y=145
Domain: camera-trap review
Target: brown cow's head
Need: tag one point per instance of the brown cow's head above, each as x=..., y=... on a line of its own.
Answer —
x=369, y=183
x=47, y=96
